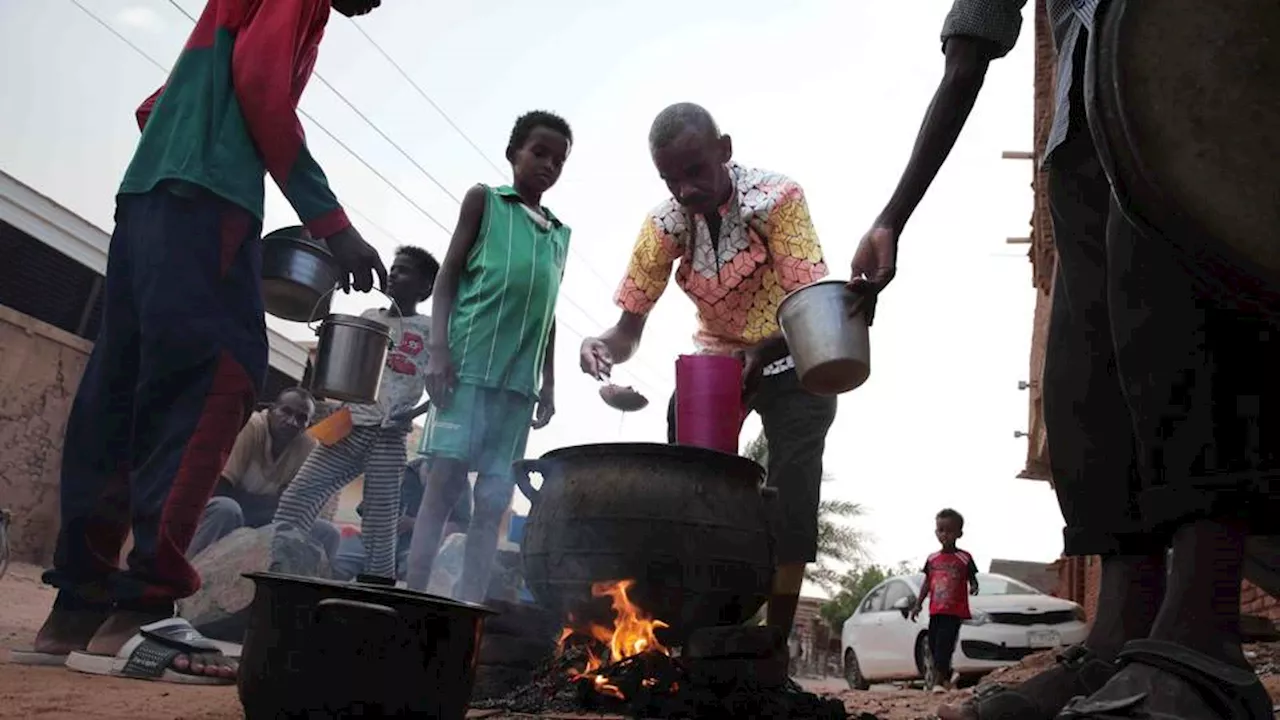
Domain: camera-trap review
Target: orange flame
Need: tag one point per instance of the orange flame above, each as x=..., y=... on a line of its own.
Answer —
x=632, y=633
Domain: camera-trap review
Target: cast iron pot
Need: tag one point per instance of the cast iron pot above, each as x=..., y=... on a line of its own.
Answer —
x=298, y=274
x=690, y=526
x=319, y=648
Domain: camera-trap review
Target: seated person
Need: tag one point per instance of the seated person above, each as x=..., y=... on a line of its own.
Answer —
x=349, y=560
x=268, y=452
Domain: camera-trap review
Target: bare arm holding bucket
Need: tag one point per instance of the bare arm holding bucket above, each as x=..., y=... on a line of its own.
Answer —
x=440, y=371
x=967, y=57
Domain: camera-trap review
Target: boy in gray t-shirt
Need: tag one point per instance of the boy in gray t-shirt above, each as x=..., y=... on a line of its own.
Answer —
x=376, y=444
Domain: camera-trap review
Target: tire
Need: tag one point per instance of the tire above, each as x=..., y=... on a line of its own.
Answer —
x=853, y=672
x=924, y=661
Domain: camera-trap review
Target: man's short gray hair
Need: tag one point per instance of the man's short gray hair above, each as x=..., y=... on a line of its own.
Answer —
x=676, y=119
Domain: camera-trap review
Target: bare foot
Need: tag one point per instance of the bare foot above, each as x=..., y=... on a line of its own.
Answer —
x=67, y=631
x=121, y=626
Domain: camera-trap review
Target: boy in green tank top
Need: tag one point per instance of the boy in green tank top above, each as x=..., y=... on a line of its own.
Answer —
x=492, y=346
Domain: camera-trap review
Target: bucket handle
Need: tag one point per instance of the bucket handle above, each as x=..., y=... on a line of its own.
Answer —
x=522, y=469
x=311, y=324
x=340, y=606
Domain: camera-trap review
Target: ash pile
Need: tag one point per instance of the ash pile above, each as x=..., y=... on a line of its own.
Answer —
x=721, y=672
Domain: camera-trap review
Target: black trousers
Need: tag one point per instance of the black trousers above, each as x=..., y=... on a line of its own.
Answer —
x=944, y=633
x=795, y=424
x=1161, y=406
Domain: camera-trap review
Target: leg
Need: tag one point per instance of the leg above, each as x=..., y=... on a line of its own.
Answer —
x=1092, y=451
x=328, y=536
x=203, y=357
x=493, y=495
x=222, y=516
x=1198, y=398
x=795, y=425
x=94, y=498
x=446, y=482
x=348, y=561
x=450, y=441
x=327, y=470
x=382, y=475
x=504, y=419
x=948, y=633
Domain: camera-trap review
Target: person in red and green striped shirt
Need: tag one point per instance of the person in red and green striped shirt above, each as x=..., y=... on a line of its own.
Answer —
x=182, y=350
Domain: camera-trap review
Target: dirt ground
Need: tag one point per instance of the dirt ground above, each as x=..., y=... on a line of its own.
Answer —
x=59, y=694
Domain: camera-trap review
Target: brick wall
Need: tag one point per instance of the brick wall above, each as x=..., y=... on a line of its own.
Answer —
x=1078, y=581
x=1255, y=601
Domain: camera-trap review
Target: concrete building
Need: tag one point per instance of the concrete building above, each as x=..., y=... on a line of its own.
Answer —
x=52, y=264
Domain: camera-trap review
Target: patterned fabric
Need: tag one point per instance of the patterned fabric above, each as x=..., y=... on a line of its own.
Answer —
x=1000, y=21
x=507, y=294
x=946, y=577
x=377, y=452
x=736, y=290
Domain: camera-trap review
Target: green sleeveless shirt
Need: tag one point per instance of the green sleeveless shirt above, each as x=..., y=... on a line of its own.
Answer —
x=507, y=296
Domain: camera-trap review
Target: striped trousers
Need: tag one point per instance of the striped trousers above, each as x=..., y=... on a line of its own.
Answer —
x=377, y=452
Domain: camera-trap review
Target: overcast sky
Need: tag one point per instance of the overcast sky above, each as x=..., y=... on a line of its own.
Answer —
x=830, y=92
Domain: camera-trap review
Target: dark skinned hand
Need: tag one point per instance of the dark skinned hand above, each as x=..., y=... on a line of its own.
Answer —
x=440, y=376
x=875, y=263
x=546, y=406
x=357, y=261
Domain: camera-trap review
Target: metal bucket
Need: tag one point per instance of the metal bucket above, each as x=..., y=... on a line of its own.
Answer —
x=298, y=273
x=831, y=349
x=350, y=357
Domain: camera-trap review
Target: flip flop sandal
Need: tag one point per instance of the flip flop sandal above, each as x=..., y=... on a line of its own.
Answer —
x=1078, y=668
x=149, y=655
x=1162, y=680
x=31, y=657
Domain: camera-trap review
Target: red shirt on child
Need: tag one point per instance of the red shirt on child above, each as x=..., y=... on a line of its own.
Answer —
x=946, y=578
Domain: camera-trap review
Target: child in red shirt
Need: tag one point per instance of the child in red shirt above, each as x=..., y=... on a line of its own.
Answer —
x=948, y=574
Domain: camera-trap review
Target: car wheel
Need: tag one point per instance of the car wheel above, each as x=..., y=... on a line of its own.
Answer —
x=924, y=661
x=853, y=673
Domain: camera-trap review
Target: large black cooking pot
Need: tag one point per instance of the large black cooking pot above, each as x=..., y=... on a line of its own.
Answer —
x=1183, y=103
x=690, y=526
x=298, y=273
x=318, y=648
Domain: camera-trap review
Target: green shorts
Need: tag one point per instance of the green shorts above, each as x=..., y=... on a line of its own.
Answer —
x=484, y=427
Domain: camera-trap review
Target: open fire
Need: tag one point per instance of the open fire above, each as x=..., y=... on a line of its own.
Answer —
x=632, y=634
x=622, y=667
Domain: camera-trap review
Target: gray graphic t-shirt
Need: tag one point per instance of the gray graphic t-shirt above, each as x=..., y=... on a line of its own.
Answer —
x=404, y=378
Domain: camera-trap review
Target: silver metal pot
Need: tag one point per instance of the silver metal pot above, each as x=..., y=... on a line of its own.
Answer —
x=831, y=349
x=350, y=357
x=297, y=274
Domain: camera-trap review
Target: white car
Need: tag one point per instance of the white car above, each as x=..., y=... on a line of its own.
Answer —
x=1010, y=621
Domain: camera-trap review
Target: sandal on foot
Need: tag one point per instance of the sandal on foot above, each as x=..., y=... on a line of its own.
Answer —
x=1079, y=671
x=149, y=655
x=33, y=657
x=1162, y=680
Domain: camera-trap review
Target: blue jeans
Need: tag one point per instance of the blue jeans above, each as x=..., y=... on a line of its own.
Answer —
x=348, y=561
x=223, y=516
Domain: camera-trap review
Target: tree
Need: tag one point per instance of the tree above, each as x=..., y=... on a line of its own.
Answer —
x=839, y=541
x=854, y=586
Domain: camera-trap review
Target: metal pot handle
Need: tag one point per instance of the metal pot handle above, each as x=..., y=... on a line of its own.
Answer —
x=311, y=324
x=521, y=470
x=338, y=606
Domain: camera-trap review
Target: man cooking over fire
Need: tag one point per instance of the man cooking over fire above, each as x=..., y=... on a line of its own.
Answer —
x=741, y=239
